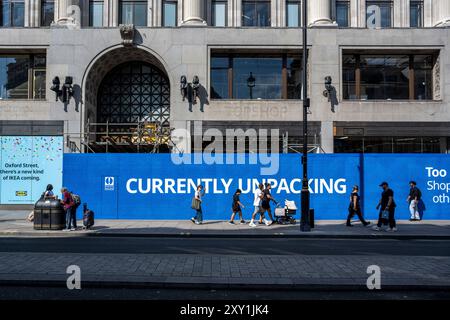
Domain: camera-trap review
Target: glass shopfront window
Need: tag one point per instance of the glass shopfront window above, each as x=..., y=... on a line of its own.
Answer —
x=96, y=13
x=343, y=13
x=379, y=13
x=255, y=76
x=47, y=12
x=387, y=76
x=255, y=13
x=293, y=13
x=133, y=12
x=219, y=13
x=170, y=13
x=364, y=144
x=13, y=13
x=416, y=14
x=22, y=76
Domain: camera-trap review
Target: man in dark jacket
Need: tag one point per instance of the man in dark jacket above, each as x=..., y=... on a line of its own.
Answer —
x=386, y=203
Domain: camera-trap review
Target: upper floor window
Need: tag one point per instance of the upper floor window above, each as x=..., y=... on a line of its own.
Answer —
x=170, y=13
x=388, y=76
x=47, y=12
x=96, y=13
x=22, y=76
x=379, y=13
x=12, y=13
x=293, y=13
x=219, y=13
x=416, y=14
x=133, y=12
x=342, y=13
x=255, y=13
x=255, y=76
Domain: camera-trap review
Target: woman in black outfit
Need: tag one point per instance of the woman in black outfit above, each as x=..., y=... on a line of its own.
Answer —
x=355, y=208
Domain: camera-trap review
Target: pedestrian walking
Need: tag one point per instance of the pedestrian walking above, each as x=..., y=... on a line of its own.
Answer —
x=258, y=195
x=265, y=204
x=355, y=208
x=197, y=205
x=386, y=205
x=236, y=207
x=68, y=203
x=413, y=199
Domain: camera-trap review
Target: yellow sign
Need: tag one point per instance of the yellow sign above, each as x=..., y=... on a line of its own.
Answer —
x=21, y=193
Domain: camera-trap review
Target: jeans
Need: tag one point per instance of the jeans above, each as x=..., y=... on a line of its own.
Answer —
x=352, y=212
x=414, y=209
x=391, y=219
x=71, y=220
x=199, y=215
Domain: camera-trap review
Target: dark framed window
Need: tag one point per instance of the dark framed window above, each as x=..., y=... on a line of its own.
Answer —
x=387, y=76
x=384, y=7
x=219, y=13
x=13, y=13
x=293, y=13
x=96, y=13
x=416, y=14
x=22, y=76
x=386, y=144
x=47, y=12
x=255, y=13
x=341, y=12
x=255, y=76
x=133, y=12
x=170, y=13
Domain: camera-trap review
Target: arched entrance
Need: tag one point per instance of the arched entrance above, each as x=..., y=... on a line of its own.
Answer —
x=127, y=104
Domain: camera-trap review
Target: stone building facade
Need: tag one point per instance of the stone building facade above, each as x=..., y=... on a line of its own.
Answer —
x=388, y=62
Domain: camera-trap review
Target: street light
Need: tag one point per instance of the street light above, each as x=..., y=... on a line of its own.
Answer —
x=304, y=221
x=251, y=84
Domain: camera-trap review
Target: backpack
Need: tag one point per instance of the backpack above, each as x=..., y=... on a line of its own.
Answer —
x=76, y=199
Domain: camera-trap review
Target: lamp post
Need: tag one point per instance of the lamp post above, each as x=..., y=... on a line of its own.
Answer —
x=251, y=83
x=304, y=222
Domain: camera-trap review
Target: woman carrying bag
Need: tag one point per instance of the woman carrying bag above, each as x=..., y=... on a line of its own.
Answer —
x=197, y=205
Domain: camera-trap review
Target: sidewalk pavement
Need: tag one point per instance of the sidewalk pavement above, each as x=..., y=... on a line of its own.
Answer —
x=225, y=271
x=13, y=223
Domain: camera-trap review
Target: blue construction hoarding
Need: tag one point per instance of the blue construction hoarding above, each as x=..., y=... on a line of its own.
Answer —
x=154, y=186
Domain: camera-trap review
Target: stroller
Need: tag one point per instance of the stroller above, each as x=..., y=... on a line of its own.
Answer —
x=285, y=215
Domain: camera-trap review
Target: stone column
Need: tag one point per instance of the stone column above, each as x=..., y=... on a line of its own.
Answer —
x=194, y=13
x=319, y=13
x=327, y=136
x=441, y=12
x=32, y=13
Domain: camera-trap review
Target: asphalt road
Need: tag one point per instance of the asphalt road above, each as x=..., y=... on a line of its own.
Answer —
x=235, y=246
x=55, y=293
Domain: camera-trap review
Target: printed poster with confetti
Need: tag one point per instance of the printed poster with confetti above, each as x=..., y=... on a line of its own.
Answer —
x=28, y=164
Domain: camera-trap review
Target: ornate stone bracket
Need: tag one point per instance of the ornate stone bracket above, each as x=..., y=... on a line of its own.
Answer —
x=127, y=34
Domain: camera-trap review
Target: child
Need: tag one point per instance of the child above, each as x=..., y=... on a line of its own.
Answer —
x=236, y=207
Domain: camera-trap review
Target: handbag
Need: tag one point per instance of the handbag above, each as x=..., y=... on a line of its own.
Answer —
x=195, y=204
x=385, y=215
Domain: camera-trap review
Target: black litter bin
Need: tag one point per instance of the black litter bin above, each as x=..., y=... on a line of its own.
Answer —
x=49, y=215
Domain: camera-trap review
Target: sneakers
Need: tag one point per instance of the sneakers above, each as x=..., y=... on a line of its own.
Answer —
x=193, y=219
x=349, y=225
x=196, y=222
x=391, y=229
x=252, y=224
x=266, y=222
x=376, y=228
x=242, y=221
x=231, y=222
x=65, y=229
x=367, y=224
x=73, y=229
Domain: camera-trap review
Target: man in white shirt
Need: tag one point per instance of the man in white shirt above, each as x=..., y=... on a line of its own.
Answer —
x=258, y=195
